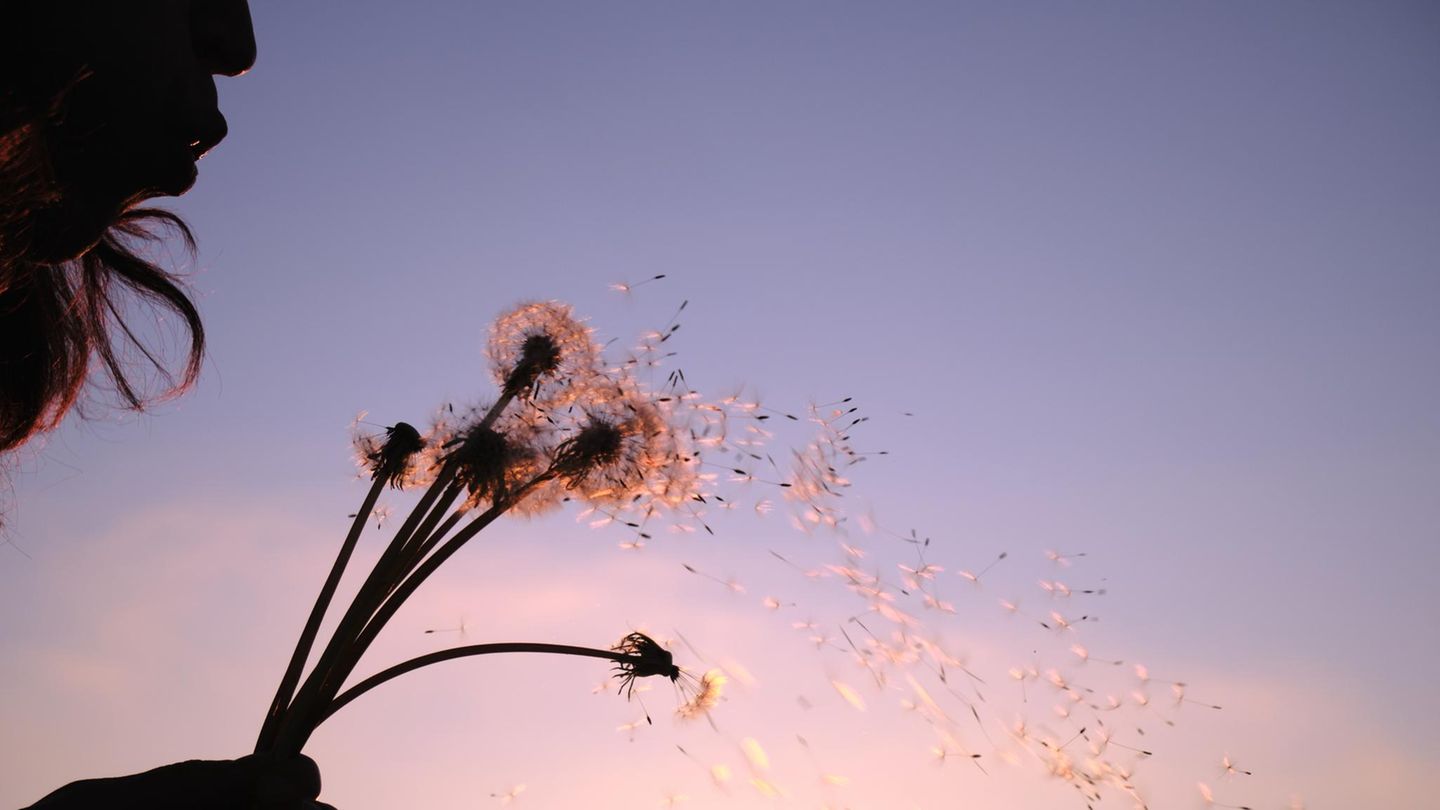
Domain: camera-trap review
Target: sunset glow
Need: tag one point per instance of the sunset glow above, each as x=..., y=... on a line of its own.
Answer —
x=915, y=406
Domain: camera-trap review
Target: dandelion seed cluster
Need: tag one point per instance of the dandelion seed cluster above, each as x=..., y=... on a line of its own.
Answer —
x=564, y=426
x=577, y=429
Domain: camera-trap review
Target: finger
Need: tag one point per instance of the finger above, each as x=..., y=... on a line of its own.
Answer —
x=285, y=781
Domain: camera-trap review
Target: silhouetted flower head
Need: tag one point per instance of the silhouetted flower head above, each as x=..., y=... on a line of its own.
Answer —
x=595, y=447
x=620, y=444
x=389, y=457
x=480, y=456
x=539, y=351
x=646, y=658
x=496, y=461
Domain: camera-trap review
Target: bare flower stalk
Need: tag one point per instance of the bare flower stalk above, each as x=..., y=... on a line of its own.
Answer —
x=352, y=621
x=300, y=723
x=344, y=698
x=317, y=614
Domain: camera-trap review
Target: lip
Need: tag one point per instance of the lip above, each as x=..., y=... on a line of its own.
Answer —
x=207, y=134
x=173, y=171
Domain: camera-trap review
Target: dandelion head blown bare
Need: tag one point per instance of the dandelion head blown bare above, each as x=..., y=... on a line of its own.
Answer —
x=644, y=658
x=391, y=455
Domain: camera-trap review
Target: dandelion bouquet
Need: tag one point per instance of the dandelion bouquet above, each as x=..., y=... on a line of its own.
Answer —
x=564, y=426
x=568, y=426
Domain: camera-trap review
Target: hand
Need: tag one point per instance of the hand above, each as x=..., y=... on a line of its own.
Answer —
x=256, y=782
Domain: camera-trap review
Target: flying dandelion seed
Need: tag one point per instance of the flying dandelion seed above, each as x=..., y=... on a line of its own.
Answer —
x=1177, y=689
x=1231, y=769
x=1063, y=559
x=459, y=629
x=765, y=788
x=849, y=694
x=626, y=287
x=731, y=584
x=509, y=795
x=705, y=697
x=380, y=514
x=755, y=754
x=974, y=577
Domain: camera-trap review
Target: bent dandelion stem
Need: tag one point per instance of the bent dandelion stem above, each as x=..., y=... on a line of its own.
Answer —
x=413, y=664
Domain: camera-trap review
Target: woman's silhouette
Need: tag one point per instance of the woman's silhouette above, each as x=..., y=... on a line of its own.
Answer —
x=104, y=105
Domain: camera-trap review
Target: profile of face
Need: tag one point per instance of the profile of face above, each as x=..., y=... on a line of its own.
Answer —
x=137, y=106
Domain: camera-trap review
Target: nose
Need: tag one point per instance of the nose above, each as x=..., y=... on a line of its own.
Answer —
x=222, y=36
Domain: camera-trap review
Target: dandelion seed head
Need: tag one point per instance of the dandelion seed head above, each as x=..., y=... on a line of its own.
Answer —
x=489, y=463
x=540, y=351
x=597, y=445
x=626, y=454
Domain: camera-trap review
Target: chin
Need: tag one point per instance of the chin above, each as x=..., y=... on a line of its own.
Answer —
x=75, y=223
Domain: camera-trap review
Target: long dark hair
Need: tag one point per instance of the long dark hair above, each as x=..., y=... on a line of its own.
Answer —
x=58, y=317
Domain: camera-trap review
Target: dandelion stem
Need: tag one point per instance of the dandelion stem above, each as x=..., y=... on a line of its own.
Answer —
x=434, y=539
x=317, y=615
x=380, y=578
x=408, y=555
x=421, y=539
x=408, y=551
x=463, y=652
x=352, y=622
x=294, y=736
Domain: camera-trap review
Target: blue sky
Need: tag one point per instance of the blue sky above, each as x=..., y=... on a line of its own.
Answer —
x=1158, y=283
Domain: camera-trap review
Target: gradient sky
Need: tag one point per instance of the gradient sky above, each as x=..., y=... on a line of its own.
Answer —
x=1158, y=283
